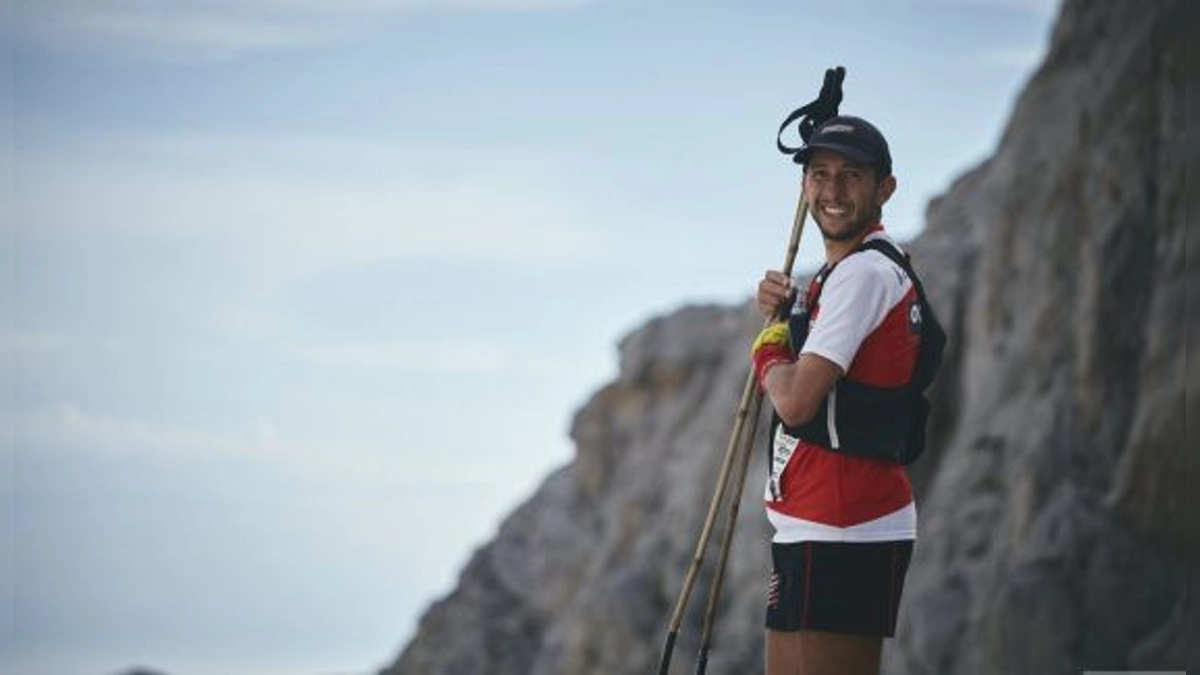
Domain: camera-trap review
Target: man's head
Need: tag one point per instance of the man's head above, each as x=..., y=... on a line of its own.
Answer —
x=854, y=138
x=847, y=177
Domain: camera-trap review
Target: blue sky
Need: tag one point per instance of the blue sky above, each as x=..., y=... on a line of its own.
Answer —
x=302, y=295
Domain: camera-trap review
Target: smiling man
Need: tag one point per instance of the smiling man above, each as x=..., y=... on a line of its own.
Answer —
x=844, y=518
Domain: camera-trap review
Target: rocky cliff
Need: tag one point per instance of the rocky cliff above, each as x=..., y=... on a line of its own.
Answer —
x=1058, y=497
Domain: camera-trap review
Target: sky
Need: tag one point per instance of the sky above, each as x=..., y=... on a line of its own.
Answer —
x=300, y=297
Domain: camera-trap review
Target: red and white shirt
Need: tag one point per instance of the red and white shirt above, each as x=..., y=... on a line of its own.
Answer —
x=861, y=323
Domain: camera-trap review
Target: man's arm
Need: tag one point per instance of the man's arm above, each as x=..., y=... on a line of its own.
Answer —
x=798, y=389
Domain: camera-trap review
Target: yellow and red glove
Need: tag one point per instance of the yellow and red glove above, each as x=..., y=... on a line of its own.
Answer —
x=772, y=347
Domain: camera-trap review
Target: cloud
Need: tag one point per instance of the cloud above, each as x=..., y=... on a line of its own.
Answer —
x=1046, y=7
x=282, y=209
x=24, y=344
x=1021, y=58
x=207, y=30
x=167, y=31
x=27, y=346
x=436, y=358
x=73, y=428
x=68, y=426
x=399, y=451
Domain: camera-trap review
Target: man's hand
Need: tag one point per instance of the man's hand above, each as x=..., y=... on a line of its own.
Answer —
x=772, y=347
x=773, y=291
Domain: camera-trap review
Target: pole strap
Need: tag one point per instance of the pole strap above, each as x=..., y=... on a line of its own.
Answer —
x=814, y=114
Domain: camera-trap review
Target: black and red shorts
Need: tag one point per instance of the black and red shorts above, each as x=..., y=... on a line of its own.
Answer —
x=837, y=586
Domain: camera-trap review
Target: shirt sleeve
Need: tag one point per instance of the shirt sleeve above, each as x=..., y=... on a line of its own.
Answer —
x=855, y=300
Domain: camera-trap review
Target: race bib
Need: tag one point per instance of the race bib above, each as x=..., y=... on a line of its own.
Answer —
x=782, y=448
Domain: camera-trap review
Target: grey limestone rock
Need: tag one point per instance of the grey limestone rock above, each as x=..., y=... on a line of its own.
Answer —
x=1058, y=497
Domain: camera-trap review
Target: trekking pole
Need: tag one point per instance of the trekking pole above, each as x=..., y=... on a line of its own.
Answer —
x=689, y=580
x=755, y=404
x=811, y=116
x=751, y=398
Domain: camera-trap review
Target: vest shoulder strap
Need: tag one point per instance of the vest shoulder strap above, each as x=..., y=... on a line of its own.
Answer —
x=933, y=336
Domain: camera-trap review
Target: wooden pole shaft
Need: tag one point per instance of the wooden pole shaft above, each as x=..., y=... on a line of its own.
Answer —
x=751, y=398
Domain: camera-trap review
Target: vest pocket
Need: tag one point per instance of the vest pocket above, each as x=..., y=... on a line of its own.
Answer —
x=878, y=422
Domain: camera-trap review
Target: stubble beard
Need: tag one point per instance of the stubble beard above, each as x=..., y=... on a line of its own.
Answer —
x=852, y=231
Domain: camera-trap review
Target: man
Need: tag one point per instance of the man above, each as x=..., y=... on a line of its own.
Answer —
x=844, y=523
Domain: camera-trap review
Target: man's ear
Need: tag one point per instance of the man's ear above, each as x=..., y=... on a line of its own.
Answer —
x=885, y=189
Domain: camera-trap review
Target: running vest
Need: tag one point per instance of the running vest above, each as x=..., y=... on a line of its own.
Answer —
x=886, y=423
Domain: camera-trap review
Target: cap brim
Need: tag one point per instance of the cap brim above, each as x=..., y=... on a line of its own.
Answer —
x=848, y=151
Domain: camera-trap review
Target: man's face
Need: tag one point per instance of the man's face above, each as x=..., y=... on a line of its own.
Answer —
x=844, y=196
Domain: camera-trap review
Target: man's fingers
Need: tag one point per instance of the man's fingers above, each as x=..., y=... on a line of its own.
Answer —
x=775, y=284
x=780, y=278
x=773, y=291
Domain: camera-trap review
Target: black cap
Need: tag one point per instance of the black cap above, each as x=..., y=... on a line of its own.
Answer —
x=853, y=137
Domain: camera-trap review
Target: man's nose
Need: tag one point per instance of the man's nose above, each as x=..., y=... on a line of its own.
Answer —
x=835, y=186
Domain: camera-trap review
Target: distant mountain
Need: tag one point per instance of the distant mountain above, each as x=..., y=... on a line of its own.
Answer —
x=1057, y=501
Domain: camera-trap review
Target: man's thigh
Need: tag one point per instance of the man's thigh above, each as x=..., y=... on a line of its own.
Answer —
x=821, y=653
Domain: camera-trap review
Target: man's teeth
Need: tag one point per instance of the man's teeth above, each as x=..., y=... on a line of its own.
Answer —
x=835, y=210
